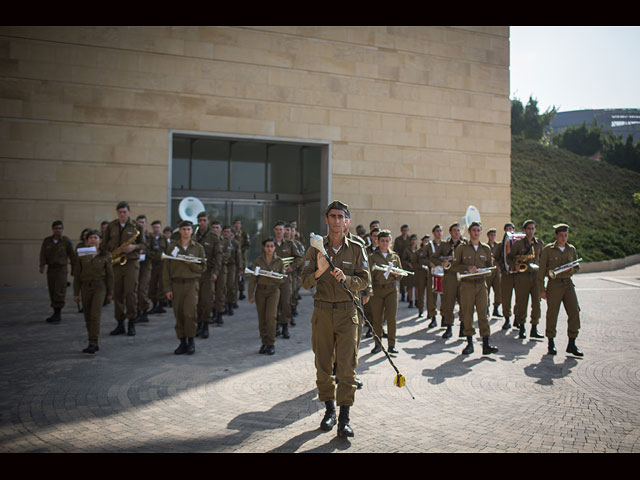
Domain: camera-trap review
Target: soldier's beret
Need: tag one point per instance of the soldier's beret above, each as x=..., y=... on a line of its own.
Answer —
x=509, y=224
x=384, y=233
x=475, y=224
x=338, y=205
x=491, y=230
x=185, y=223
x=561, y=227
x=527, y=222
x=455, y=224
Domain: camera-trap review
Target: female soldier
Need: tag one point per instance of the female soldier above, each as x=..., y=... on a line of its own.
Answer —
x=410, y=262
x=93, y=279
x=264, y=291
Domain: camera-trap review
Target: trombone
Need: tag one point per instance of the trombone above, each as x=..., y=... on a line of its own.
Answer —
x=563, y=268
x=265, y=273
x=182, y=258
x=480, y=272
x=391, y=269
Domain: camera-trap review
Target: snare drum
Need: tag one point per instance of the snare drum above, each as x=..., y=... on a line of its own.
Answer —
x=436, y=279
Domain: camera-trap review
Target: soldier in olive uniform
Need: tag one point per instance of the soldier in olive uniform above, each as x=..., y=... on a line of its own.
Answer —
x=181, y=282
x=220, y=290
x=284, y=249
x=125, y=272
x=233, y=269
x=432, y=296
x=422, y=276
x=367, y=294
x=213, y=251
x=335, y=321
x=507, y=279
x=93, y=278
x=264, y=291
x=526, y=284
x=144, y=276
x=409, y=262
x=157, y=246
x=400, y=243
x=292, y=234
x=56, y=253
x=560, y=290
x=493, y=280
x=469, y=257
x=384, y=302
x=245, y=244
x=450, y=285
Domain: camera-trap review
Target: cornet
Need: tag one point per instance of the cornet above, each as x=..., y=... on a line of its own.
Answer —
x=265, y=273
x=563, y=268
x=391, y=269
x=480, y=272
x=182, y=258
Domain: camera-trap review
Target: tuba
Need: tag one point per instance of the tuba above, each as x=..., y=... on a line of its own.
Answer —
x=118, y=256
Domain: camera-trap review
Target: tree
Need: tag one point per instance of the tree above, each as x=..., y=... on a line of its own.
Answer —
x=527, y=121
x=580, y=139
x=625, y=154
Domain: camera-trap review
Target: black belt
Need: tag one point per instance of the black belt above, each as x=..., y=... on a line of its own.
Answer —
x=336, y=305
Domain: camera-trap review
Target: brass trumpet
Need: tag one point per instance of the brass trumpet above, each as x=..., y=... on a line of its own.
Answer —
x=391, y=269
x=118, y=256
x=480, y=272
x=563, y=268
x=182, y=258
x=265, y=273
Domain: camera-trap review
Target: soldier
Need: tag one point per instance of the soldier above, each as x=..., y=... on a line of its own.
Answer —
x=524, y=258
x=213, y=252
x=93, y=278
x=144, y=277
x=264, y=291
x=422, y=275
x=292, y=234
x=507, y=279
x=335, y=322
x=384, y=302
x=181, y=281
x=220, y=290
x=469, y=257
x=493, y=280
x=410, y=262
x=234, y=261
x=560, y=290
x=432, y=296
x=123, y=234
x=56, y=253
x=450, y=285
x=285, y=249
x=157, y=246
x=366, y=306
x=400, y=243
x=245, y=244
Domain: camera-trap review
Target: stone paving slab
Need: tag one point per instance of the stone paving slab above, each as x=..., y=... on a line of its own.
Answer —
x=135, y=395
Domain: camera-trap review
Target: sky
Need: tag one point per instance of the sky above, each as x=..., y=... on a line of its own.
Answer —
x=576, y=68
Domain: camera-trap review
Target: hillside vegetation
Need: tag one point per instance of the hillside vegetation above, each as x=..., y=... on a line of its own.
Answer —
x=552, y=185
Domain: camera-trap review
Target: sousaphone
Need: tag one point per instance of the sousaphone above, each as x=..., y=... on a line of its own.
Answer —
x=189, y=209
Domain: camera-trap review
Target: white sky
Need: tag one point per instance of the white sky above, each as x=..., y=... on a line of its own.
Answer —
x=576, y=68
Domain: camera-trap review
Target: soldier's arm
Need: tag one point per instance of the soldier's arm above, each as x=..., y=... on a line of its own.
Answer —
x=309, y=269
x=361, y=277
x=109, y=277
x=77, y=268
x=457, y=265
x=542, y=270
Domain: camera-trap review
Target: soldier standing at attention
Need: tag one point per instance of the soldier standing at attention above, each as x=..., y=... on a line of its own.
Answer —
x=422, y=276
x=264, y=291
x=220, y=290
x=450, y=285
x=400, y=243
x=181, y=282
x=158, y=245
x=285, y=248
x=560, y=290
x=119, y=232
x=94, y=280
x=432, y=297
x=56, y=253
x=526, y=281
x=493, y=280
x=245, y=244
x=410, y=262
x=213, y=252
x=233, y=263
x=144, y=277
x=469, y=257
x=292, y=234
x=507, y=279
x=335, y=322
x=384, y=301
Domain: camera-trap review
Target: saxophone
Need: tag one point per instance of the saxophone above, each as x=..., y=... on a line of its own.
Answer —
x=118, y=256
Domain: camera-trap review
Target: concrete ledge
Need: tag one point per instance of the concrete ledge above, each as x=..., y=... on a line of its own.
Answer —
x=608, y=265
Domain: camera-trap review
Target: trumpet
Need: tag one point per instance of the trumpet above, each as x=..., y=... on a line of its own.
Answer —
x=118, y=256
x=391, y=269
x=265, y=273
x=182, y=258
x=563, y=268
x=480, y=272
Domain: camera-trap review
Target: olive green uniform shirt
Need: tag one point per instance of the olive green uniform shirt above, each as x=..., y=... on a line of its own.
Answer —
x=57, y=254
x=552, y=257
x=93, y=268
x=177, y=269
x=276, y=265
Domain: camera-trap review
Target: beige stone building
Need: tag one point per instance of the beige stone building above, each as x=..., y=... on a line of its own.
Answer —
x=405, y=124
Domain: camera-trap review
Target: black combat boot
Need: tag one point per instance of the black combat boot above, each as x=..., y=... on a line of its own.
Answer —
x=271, y=349
x=486, y=348
x=205, y=330
x=191, y=346
x=285, y=330
x=496, y=312
x=131, y=327
x=329, y=419
x=507, y=323
x=573, y=349
x=420, y=314
x=344, y=429
x=229, y=309
x=461, y=331
x=55, y=318
x=119, y=330
x=551, y=350
x=433, y=323
x=522, y=333
x=142, y=317
x=469, y=348
x=182, y=348
x=534, y=332
x=447, y=332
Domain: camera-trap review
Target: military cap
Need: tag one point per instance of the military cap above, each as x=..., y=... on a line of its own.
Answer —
x=561, y=227
x=527, y=222
x=491, y=230
x=384, y=233
x=185, y=223
x=94, y=232
x=338, y=205
x=426, y=236
x=509, y=224
x=475, y=224
x=455, y=224
x=122, y=205
x=436, y=227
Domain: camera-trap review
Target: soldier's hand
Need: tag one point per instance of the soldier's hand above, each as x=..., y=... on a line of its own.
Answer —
x=366, y=299
x=76, y=298
x=338, y=274
x=170, y=296
x=214, y=277
x=109, y=298
x=323, y=265
x=128, y=248
x=473, y=268
x=251, y=300
x=543, y=295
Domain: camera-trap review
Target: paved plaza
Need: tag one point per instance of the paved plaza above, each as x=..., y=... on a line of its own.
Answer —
x=135, y=395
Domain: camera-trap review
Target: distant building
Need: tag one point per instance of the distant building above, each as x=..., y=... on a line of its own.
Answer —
x=619, y=121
